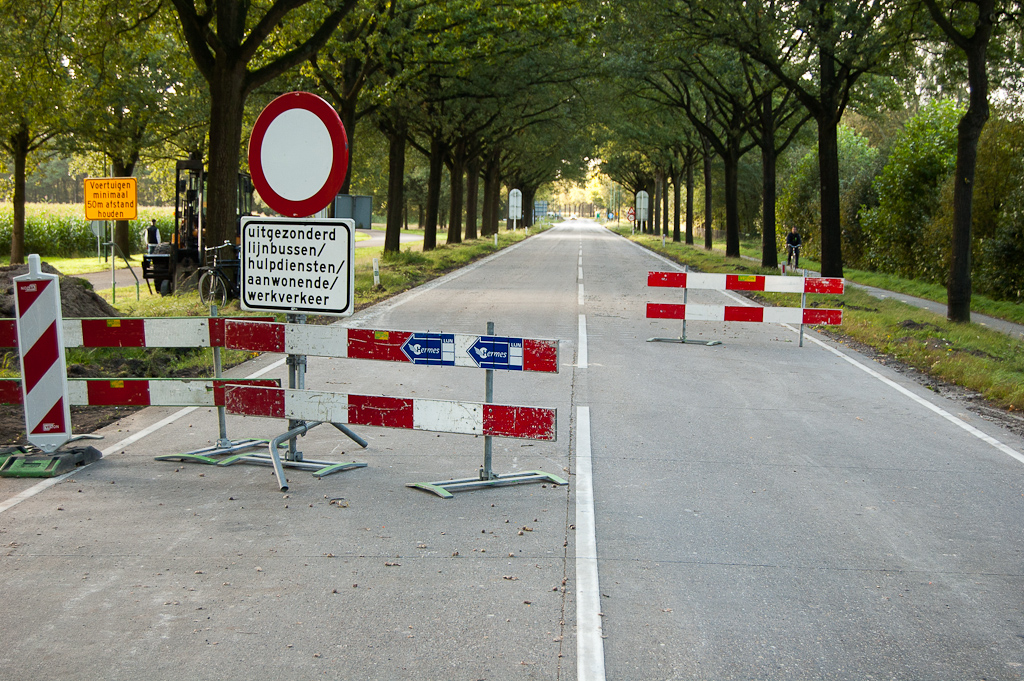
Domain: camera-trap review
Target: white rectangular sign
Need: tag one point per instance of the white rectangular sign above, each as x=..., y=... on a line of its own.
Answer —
x=298, y=265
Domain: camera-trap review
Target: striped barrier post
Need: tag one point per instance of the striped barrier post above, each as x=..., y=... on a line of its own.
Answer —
x=488, y=352
x=739, y=313
x=41, y=350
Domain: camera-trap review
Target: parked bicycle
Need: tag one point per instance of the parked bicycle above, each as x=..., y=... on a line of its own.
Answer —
x=218, y=281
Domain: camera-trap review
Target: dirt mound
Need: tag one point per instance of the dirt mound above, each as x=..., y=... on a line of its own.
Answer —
x=77, y=299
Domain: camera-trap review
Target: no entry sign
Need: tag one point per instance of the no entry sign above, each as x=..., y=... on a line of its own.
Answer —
x=298, y=154
x=298, y=266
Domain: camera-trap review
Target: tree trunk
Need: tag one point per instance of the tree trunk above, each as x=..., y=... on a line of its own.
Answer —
x=433, y=194
x=828, y=161
x=656, y=204
x=664, y=204
x=676, y=195
x=227, y=108
x=347, y=113
x=528, y=195
x=689, y=199
x=492, y=190
x=122, y=228
x=769, y=250
x=457, y=171
x=732, y=211
x=396, y=187
x=19, y=143
x=472, y=200
x=708, y=206
x=958, y=291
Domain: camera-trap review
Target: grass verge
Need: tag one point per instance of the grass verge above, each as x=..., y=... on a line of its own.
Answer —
x=969, y=355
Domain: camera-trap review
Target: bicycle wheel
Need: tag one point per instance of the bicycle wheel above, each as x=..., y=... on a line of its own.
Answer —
x=212, y=289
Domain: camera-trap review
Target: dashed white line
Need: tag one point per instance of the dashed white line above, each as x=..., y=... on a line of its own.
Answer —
x=581, y=355
x=589, y=641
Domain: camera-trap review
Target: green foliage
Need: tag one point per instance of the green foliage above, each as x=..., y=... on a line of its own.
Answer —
x=908, y=191
x=999, y=263
x=800, y=199
x=62, y=230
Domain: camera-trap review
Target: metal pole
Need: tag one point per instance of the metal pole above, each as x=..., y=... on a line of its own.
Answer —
x=487, y=473
x=803, y=305
x=296, y=381
x=686, y=269
x=221, y=411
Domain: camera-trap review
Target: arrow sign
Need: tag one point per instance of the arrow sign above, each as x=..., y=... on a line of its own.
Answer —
x=497, y=352
x=437, y=349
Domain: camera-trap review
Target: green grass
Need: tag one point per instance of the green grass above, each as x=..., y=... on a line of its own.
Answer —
x=968, y=355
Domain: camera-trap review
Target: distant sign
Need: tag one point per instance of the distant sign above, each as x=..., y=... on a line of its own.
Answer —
x=111, y=198
x=436, y=349
x=298, y=265
x=515, y=204
x=498, y=352
x=642, y=201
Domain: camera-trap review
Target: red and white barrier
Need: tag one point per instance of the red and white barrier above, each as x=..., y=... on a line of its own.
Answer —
x=41, y=348
x=465, y=350
x=741, y=313
x=141, y=392
x=469, y=418
x=745, y=282
x=128, y=332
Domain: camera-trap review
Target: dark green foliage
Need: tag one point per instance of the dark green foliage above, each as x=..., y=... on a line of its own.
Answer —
x=908, y=190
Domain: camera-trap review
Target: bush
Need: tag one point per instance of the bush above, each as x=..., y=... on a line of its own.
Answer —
x=908, y=189
x=800, y=199
x=61, y=230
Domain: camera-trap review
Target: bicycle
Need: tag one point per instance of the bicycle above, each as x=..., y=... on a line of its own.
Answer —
x=793, y=253
x=217, y=282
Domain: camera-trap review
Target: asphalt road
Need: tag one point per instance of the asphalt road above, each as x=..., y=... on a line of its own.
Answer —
x=753, y=510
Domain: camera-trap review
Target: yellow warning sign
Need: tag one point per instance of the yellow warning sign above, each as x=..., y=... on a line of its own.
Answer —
x=111, y=198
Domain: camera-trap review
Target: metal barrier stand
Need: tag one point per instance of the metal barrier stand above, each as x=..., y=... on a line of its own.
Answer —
x=682, y=336
x=487, y=477
x=296, y=428
x=225, y=445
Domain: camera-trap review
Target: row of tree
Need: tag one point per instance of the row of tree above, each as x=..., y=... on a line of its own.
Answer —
x=724, y=77
x=489, y=93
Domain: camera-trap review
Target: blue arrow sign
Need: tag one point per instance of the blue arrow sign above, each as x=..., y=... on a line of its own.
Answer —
x=436, y=349
x=498, y=352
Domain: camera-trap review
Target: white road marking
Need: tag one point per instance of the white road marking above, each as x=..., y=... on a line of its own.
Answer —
x=50, y=482
x=581, y=354
x=580, y=299
x=589, y=641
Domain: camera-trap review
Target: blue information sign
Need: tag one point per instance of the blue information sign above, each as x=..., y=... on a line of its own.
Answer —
x=498, y=352
x=431, y=348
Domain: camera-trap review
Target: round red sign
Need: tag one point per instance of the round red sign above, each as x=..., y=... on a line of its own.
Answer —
x=298, y=154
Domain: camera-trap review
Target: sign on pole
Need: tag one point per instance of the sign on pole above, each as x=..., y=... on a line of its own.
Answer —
x=298, y=266
x=298, y=154
x=642, y=200
x=631, y=214
x=111, y=198
x=515, y=204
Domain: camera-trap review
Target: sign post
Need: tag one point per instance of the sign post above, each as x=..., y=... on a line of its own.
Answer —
x=642, y=200
x=515, y=207
x=299, y=158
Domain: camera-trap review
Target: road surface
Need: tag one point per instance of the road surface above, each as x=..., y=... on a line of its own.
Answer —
x=748, y=510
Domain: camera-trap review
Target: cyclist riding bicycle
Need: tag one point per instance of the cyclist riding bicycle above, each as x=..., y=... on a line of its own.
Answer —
x=793, y=247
